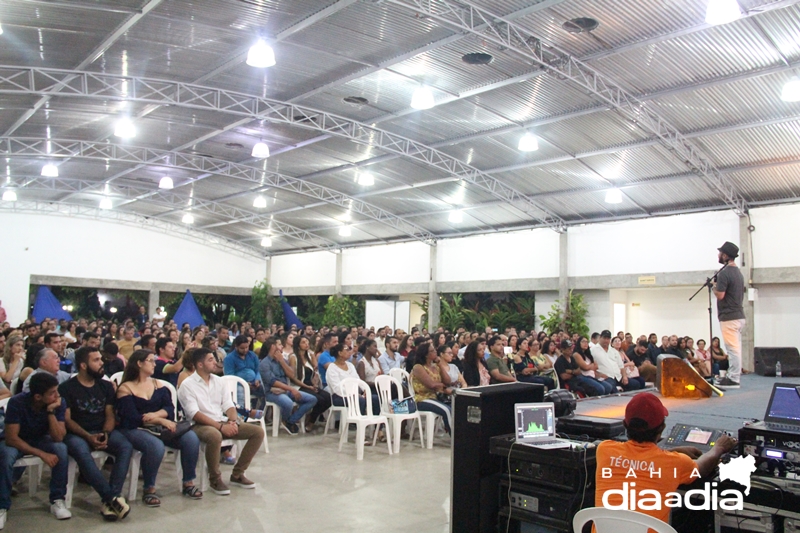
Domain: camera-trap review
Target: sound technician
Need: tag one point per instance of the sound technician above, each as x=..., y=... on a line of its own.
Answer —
x=645, y=417
x=729, y=290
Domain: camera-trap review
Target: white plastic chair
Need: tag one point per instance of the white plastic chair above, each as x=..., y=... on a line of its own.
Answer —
x=233, y=382
x=618, y=521
x=352, y=389
x=13, y=387
x=72, y=471
x=429, y=417
x=400, y=374
x=116, y=378
x=384, y=385
x=136, y=457
x=33, y=463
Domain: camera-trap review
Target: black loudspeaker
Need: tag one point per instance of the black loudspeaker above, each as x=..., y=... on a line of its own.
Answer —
x=765, y=359
x=480, y=413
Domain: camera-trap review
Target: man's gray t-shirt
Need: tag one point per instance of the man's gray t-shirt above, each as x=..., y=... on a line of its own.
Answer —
x=731, y=282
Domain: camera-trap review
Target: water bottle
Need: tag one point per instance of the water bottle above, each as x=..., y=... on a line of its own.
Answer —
x=778, y=372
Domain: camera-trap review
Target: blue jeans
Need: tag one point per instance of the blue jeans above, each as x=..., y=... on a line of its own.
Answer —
x=255, y=395
x=118, y=446
x=153, y=452
x=590, y=386
x=633, y=384
x=58, y=478
x=441, y=409
x=286, y=403
x=362, y=402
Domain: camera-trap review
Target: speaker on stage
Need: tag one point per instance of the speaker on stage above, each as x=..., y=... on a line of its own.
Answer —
x=675, y=378
x=765, y=359
x=480, y=413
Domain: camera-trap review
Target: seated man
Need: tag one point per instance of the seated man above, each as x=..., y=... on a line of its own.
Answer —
x=35, y=426
x=645, y=421
x=167, y=368
x=90, y=423
x=46, y=361
x=610, y=364
x=206, y=402
x=640, y=355
x=275, y=374
x=569, y=371
x=243, y=363
x=497, y=364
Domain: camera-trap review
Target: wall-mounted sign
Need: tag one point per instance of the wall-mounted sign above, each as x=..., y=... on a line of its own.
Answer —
x=647, y=280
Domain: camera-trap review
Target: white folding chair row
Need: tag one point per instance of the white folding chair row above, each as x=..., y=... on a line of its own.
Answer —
x=384, y=385
x=429, y=417
x=352, y=389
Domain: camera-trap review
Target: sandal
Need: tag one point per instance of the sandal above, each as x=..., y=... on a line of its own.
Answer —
x=191, y=491
x=150, y=499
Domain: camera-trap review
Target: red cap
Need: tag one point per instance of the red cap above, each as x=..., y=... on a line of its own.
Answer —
x=647, y=407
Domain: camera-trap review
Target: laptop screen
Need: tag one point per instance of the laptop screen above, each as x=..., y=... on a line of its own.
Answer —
x=535, y=421
x=784, y=404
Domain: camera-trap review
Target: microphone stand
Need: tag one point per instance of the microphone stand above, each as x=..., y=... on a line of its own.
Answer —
x=709, y=282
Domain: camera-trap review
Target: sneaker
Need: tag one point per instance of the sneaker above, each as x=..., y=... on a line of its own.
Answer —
x=292, y=429
x=219, y=487
x=3, y=514
x=59, y=510
x=726, y=383
x=242, y=482
x=108, y=514
x=119, y=506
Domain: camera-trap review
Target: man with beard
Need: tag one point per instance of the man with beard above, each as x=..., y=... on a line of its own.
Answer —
x=90, y=422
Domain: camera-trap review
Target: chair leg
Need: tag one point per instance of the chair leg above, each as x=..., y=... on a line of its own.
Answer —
x=389, y=437
x=179, y=468
x=71, y=474
x=328, y=420
x=396, y=425
x=414, y=427
x=264, y=429
x=360, y=442
x=276, y=420
x=430, y=423
x=342, y=435
x=203, y=469
x=421, y=438
x=133, y=472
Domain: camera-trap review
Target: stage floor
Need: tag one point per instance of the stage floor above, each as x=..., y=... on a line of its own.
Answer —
x=727, y=412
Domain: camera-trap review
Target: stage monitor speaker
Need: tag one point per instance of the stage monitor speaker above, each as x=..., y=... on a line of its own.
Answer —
x=676, y=379
x=765, y=359
x=480, y=413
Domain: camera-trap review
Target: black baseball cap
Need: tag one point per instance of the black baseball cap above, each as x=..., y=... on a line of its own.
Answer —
x=606, y=334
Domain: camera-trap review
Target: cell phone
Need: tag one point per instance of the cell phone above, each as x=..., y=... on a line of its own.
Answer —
x=101, y=437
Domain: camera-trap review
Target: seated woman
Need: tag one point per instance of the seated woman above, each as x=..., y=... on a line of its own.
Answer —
x=13, y=359
x=29, y=366
x=543, y=363
x=451, y=375
x=629, y=367
x=368, y=367
x=141, y=401
x=188, y=366
x=475, y=371
x=719, y=358
x=306, y=377
x=550, y=350
x=702, y=359
x=583, y=356
x=428, y=386
x=525, y=368
x=341, y=369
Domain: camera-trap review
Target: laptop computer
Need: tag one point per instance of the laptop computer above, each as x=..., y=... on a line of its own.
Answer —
x=783, y=410
x=536, y=426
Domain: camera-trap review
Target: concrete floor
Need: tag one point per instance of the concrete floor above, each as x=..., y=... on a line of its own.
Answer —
x=306, y=485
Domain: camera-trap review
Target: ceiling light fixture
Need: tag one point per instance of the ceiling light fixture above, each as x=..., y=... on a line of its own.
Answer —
x=422, y=98
x=722, y=11
x=260, y=150
x=266, y=242
x=366, y=179
x=528, y=143
x=456, y=217
x=188, y=219
x=261, y=55
x=791, y=91
x=106, y=203
x=9, y=196
x=260, y=202
x=50, y=171
x=124, y=128
x=614, y=196
x=166, y=183
x=345, y=231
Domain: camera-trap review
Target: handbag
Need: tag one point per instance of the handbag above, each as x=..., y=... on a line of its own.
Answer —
x=167, y=436
x=404, y=407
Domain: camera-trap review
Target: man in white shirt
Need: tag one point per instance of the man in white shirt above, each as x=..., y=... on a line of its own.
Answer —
x=610, y=366
x=390, y=358
x=207, y=402
x=594, y=339
x=380, y=339
x=159, y=317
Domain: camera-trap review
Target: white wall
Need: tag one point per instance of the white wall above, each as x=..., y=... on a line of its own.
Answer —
x=775, y=237
x=73, y=247
x=498, y=256
x=391, y=263
x=310, y=269
x=668, y=311
x=777, y=315
x=663, y=244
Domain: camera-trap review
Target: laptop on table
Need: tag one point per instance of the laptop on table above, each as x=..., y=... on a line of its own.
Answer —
x=536, y=426
x=783, y=410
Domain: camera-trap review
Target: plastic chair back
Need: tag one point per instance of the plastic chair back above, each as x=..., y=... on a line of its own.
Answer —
x=400, y=374
x=13, y=387
x=384, y=385
x=233, y=383
x=116, y=378
x=351, y=389
x=172, y=392
x=622, y=521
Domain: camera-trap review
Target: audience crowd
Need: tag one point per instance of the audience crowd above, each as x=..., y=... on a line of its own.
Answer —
x=62, y=402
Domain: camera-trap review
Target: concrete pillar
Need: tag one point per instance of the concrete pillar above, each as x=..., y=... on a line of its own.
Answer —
x=338, y=290
x=745, y=262
x=268, y=270
x=153, y=301
x=563, y=269
x=434, y=304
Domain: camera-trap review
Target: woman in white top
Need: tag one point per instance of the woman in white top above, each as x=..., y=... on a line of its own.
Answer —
x=368, y=367
x=450, y=372
x=341, y=369
x=13, y=359
x=71, y=335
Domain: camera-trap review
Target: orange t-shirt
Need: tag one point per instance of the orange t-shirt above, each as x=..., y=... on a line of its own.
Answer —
x=618, y=462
